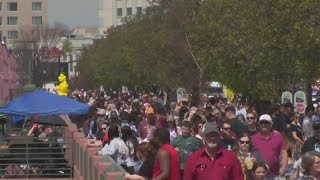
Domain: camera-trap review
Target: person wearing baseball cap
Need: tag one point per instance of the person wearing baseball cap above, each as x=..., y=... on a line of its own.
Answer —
x=313, y=143
x=271, y=145
x=212, y=161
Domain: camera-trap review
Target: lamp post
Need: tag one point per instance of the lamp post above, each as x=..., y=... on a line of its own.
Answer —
x=59, y=62
x=44, y=72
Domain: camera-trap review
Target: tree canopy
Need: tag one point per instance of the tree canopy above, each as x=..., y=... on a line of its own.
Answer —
x=257, y=48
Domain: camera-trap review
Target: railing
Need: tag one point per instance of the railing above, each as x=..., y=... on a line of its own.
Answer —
x=66, y=157
x=87, y=165
x=23, y=156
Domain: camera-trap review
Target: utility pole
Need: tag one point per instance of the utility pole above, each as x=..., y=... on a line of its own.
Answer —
x=59, y=64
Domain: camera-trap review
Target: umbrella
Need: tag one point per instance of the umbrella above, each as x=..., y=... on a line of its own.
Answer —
x=51, y=120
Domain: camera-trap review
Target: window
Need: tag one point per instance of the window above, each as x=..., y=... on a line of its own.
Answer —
x=119, y=11
x=139, y=10
x=0, y=34
x=12, y=20
x=12, y=34
x=0, y=20
x=129, y=11
x=36, y=20
x=0, y=6
x=12, y=6
x=36, y=6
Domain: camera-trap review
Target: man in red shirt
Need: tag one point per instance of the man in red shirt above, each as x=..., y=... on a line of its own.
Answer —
x=212, y=162
x=272, y=147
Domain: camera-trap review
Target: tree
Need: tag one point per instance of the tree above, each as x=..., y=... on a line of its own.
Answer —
x=67, y=47
x=147, y=49
x=257, y=48
x=264, y=47
x=36, y=47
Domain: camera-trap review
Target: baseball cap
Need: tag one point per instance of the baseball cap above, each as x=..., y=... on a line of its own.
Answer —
x=265, y=117
x=315, y=121
x=113, y=114
x=210, y=127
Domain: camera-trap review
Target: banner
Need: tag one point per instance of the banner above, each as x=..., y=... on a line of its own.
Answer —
x=286, y=97
x=300, y=101
x=228, y=93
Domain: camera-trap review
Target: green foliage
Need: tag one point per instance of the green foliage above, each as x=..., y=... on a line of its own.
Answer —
x=67, y=47
x=263, y=47
x=257, y=48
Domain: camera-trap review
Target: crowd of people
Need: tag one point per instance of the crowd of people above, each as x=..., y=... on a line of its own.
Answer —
x=153, y=139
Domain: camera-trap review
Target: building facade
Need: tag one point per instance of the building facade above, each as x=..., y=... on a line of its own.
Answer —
x=7, y=73
x=17, y=13
x=112, y=11
x=71, y=58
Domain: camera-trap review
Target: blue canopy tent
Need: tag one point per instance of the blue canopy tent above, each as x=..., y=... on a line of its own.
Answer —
x=44, y=104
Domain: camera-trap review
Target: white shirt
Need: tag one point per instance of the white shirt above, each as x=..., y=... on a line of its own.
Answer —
x=242, y=111
x=117, y=149
x=307, y=128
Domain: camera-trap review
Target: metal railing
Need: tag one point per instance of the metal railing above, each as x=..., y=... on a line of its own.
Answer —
x=23, y=156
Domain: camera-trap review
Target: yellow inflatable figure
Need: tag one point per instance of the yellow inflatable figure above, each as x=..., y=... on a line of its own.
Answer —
x=62, y=88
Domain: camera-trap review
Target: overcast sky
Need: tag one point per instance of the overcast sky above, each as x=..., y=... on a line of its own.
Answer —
x=74, y=13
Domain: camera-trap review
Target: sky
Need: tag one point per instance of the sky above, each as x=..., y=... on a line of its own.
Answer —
x=74, y=13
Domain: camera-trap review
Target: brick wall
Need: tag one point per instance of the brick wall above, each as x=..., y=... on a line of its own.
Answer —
x=7, y=73
x=87, y=165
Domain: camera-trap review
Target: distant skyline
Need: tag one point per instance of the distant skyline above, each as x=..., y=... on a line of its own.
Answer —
x=73, y=13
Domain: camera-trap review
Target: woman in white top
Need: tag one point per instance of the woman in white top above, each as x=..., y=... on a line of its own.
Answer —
x=132, y=143
x=174, y=130
x=115, y=146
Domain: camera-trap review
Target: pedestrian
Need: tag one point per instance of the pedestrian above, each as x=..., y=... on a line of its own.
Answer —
x=167, y=163
x=307, y=122
x=115, y=146
x=197, y=125
x=146, y=155
x=212, y=162
x=271, y=145
x=228, y=139
x=313, y=143
x=174, y=130
x=260, y=171
x=132, y=143
x=246, y=156
x=102, y=134
x=295, y=134
x=147, y=127
x=236, y=125
x=278, y=119
x=311, y=164
x=252, y=127
x=186, y=144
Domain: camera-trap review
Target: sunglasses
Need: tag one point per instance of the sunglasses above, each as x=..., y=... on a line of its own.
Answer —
x=244, y=142
x=316, y=128
x=264, y=122
x=227, y=129
x=104, y=128
x=250, y=118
